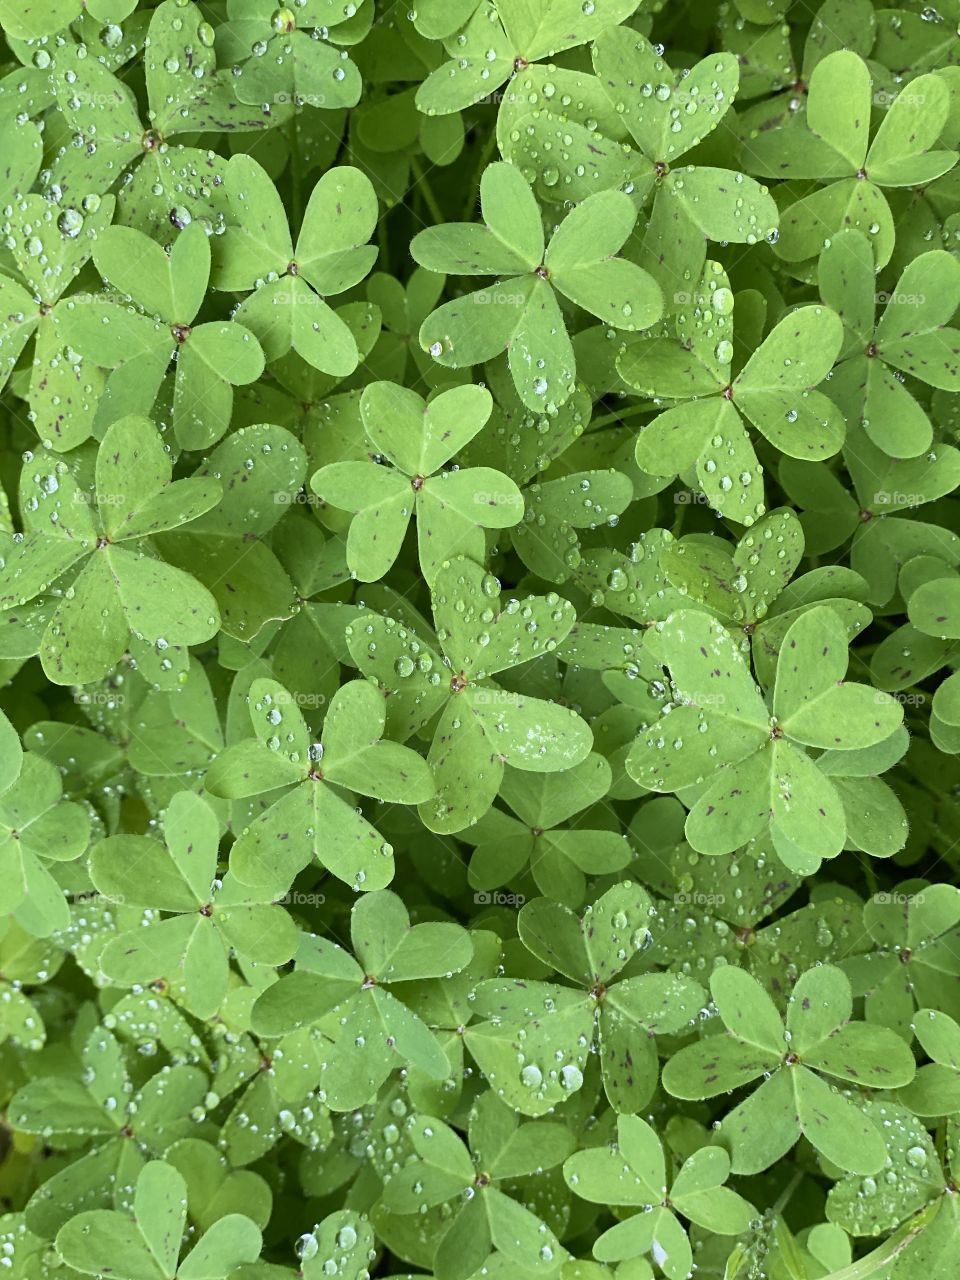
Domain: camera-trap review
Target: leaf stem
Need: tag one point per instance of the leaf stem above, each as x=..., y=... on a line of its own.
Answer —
x=485, y=154
x=426, y=190
x=620, y=415
x=786, y=1194
x=296, y=203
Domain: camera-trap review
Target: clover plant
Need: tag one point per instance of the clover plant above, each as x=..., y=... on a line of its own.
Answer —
x=479, y=639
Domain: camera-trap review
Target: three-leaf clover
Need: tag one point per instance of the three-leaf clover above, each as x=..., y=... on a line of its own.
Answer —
x=288, y=56
x=534, y=1046
x=633, y=1174
x=168, y=291
x=666, y=117
x=50, y=249
x=915, y=962
x=521, y=314
x=122, y=596
x=343, y=1027
x=911, y=337
x=256, y=252
x=498, y=41
x=145, y=1243
x=746, y=762
x=738, y=584
x=773, y=391
x=190, y=949
x=124, y=1118
x=170, y=185
x=817, y=1039
x=559, y=856
x=445, y=1169
x=452, y=507
x=313, y=820
x=481, y=727
x=38, y=830
x=836, y=150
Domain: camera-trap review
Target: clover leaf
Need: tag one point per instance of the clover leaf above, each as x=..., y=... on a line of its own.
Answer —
x=452, y=507
x=935, y=1090
x=752, y=759
x=287, y=308
x=498, y=41
x=774, y=391
x=343, y=1025
x=167, y=290
x=209, y=919
x=521, y=314
x=484, y=1217
x=633, y=1174
x=817, y=1039
x=122, y=595
x=481, y=727
x=559, y=857
x=914, y=938
x=292, y=59
x=51, y=249
x=124, y=1121
x=911, y=337
x=38, y=830
x=666, y=117
x=313, y=819
x=546, y=541
x=856, y=170
x=533, y=1048
x=869, y=1206
x=24, y=961
x=146, y=1242
x=165, y=183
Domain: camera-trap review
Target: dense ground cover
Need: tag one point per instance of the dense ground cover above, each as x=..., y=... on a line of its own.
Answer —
x=479, y=619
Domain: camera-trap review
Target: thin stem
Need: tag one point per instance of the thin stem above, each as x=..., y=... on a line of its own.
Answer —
x=787, y=1193
x=423, y=186
x=485, y=154
x=296, y=202
x=621, y=414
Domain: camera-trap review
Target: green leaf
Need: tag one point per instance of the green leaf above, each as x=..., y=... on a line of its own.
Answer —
x=835, y=1126
x=838, y=106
